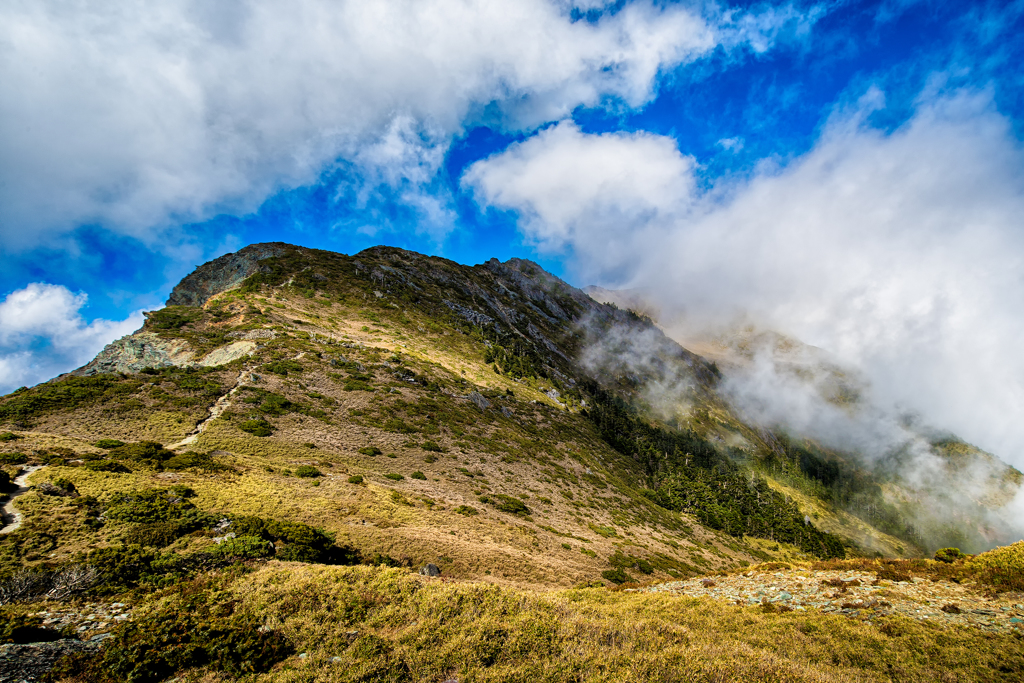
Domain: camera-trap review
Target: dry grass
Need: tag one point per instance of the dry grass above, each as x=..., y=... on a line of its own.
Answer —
x=386, y=625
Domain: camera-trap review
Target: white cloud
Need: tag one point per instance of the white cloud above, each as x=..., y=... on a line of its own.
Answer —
x=137, y=115
x=900, y=253
x=42, y=334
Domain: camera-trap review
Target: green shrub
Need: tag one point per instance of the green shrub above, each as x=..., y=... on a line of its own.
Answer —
x=257, y=427
x=148, y=454
x=467, y=510
x=65, y=485
x=158, y=505
x=191, y=460
x=106, y=466
x=418, y=475
x=171, y=317
x=154, y=534
x=616, y=575
x=355, y=479
x=108, y=443
x=370, y=450
x=431, y=446
x=398, y=426
x=430, y=458
x=393, y=476
x=506, y=503
x=245, y=548
x=949, y=555
x=283, y=367
x=12, y=459
x=308, y=471
x=9, y=436
x=194, y=628
x=354, y=385
x=296, y=541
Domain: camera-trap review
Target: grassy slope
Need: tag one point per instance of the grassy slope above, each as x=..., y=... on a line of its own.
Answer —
x=501, y=621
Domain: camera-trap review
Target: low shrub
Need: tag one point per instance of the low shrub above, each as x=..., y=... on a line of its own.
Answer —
x=106, y=466
x=108, y=443
x=370, y=450
x=258, y=427
x=193, y=628
x=245, y=548
x=9, y=436
x=308, y=471
x=393, y=476
x=616, y=575
x=418, y=475
x=467, y=510
x=283, y=367
x=506, y=503
x=158, y=505
x=355, y=479
x=431, y=446
x=190, y=460
x=13, y=459
x=949, y=555
x=154, y=534
x=1002, y=568
x=148, y=454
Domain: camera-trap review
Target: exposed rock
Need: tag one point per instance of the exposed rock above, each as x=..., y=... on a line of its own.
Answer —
x=226, y=354
x=222, y=274
x=137, y=351
x=29, y=662
x=479, y=401
x=253, y=334
x=430, y=569
x=144, y=349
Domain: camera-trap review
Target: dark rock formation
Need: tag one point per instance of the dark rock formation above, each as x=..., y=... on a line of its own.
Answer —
x=222, y=274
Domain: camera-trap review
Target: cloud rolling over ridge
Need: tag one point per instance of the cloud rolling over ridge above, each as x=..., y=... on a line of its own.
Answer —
x=900, y=253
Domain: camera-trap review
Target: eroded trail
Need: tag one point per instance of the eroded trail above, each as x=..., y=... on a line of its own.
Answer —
x=8, y=513
x=215, y=411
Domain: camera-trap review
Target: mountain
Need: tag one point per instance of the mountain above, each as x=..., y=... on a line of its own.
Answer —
x=491, y=424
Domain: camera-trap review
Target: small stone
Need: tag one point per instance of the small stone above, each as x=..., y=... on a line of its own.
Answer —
x=304, y=655
x=430, y=569
x=335, y=660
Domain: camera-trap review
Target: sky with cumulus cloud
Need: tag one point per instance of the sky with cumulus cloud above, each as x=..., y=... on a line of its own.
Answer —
x=848, y=173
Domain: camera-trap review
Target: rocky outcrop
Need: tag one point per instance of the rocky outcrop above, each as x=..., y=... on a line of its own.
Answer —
x=137, y=351
x=144, y=349
x=226, y=354
x=221, y=274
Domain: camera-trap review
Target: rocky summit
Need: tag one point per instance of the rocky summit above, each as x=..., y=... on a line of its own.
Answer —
x=392, y=467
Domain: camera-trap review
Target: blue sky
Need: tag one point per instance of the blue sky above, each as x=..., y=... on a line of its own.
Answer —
x=135, y=145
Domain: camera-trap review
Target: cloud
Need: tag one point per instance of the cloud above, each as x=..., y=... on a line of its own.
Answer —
x=42, y=334
x=900, y=253
x=138, y=116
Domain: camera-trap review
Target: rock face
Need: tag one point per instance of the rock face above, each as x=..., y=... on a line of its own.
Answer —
x=221, y=274
x=137, y=351
x=226, y=354
x=148, y=350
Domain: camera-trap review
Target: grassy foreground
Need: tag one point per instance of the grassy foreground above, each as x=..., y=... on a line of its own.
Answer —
x=375, y=624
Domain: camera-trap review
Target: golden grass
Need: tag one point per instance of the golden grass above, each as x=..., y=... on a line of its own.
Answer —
x=371, y=624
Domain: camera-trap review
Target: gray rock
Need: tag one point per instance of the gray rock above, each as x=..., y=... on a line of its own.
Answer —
x=222, y=274
x=430, y=569
x=479, y=401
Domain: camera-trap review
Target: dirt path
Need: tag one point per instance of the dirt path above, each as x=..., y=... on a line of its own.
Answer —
x=8, y=513
x=219, y=406
x=859, y=595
